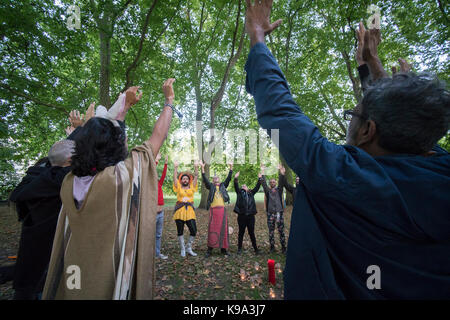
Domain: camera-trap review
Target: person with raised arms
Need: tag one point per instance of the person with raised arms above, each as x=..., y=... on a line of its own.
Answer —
x=371, y=220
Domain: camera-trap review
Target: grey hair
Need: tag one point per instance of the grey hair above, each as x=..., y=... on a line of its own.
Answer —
x=60, y=152
x=412, y=112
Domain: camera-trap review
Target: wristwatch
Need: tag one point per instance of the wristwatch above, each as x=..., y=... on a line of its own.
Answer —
x=179, y=114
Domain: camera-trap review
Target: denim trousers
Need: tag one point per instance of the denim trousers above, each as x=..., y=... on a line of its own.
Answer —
x=159, y=229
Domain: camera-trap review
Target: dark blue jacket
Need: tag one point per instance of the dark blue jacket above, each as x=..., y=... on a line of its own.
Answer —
x=355, y=210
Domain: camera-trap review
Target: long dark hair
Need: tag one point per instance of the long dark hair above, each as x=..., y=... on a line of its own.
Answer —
x=99, y=145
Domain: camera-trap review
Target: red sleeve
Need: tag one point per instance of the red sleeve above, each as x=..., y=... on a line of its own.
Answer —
x=163, y=175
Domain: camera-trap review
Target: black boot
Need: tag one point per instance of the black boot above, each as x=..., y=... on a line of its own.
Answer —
x=272, y=249
x=224, y=252
x=208, y=252
x=239, y=251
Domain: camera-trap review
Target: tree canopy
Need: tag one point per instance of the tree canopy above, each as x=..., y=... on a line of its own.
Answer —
x=46, y=69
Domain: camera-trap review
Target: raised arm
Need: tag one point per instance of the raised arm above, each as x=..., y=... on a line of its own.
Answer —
x=311, y=156
x=363, y=69
x=175, y=173
x=163, y=175
x=236, y=182
x=262, y=180
x=404, y=66
x=372, y=39
x=228, y=179
x=205, y=179
x=162, y=125
x=258, y=184
x=131, y=98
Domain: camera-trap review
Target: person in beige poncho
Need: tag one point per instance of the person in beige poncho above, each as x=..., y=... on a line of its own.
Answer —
x=105, y=238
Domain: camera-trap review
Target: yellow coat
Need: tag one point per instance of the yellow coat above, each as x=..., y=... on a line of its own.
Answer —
x=185, y=195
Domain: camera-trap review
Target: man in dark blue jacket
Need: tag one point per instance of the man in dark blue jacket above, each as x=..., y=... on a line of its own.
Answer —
x=372, y=219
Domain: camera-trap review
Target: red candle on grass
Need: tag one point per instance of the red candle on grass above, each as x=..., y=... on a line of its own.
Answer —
x=271, y=265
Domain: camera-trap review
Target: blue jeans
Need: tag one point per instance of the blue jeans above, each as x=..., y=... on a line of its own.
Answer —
x=159, y=229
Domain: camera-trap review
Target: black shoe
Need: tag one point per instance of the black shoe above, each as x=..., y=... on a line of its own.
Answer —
x=272, y=249
x=257, y=252
x=225, y=253
x=239, y=251
x=208, y=254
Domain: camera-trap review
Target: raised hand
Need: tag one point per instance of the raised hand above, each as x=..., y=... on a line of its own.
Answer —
x=236, y=175
x=158, y=157
x=131, y=96
x=202, y=164
x=282, y=170
x=372, y=39
x=69, y=130
x=90, y=112
x=404, y=65
x=168, y=90
x=257, y=20
x=175, y=164
x=359, y=50
x=167, y=158
x=262, y=169
x=76, y=119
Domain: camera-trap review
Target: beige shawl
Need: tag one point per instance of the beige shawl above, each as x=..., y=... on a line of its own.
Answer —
x=106, y=249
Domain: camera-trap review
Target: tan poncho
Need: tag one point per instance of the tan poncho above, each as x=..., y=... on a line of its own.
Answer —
x=111, y=238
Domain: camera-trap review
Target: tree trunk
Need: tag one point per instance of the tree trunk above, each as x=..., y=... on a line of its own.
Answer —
x=204, y=191
x=198, y=117
x=217, y=99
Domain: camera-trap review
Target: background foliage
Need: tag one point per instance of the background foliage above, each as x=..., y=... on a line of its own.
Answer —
x=47, y=70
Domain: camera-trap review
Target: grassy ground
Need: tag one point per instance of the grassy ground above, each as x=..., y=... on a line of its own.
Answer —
x=9, y=244
x=218, y=277
x=213, y=278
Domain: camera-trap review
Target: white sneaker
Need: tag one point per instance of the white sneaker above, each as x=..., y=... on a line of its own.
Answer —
x=163, y=257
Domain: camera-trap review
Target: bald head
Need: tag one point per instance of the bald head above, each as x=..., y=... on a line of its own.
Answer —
x=61, y=152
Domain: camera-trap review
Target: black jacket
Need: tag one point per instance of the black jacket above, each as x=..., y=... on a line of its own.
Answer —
x=41, y=204
x=212, y=189
x=32, y=173
x=245, y=201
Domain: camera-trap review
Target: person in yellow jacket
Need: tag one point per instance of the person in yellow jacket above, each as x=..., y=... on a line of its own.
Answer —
x=185, y=186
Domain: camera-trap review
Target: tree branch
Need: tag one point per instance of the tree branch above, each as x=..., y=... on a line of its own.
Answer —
x=330, y=106
x=35, y=100
x=133, y=65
